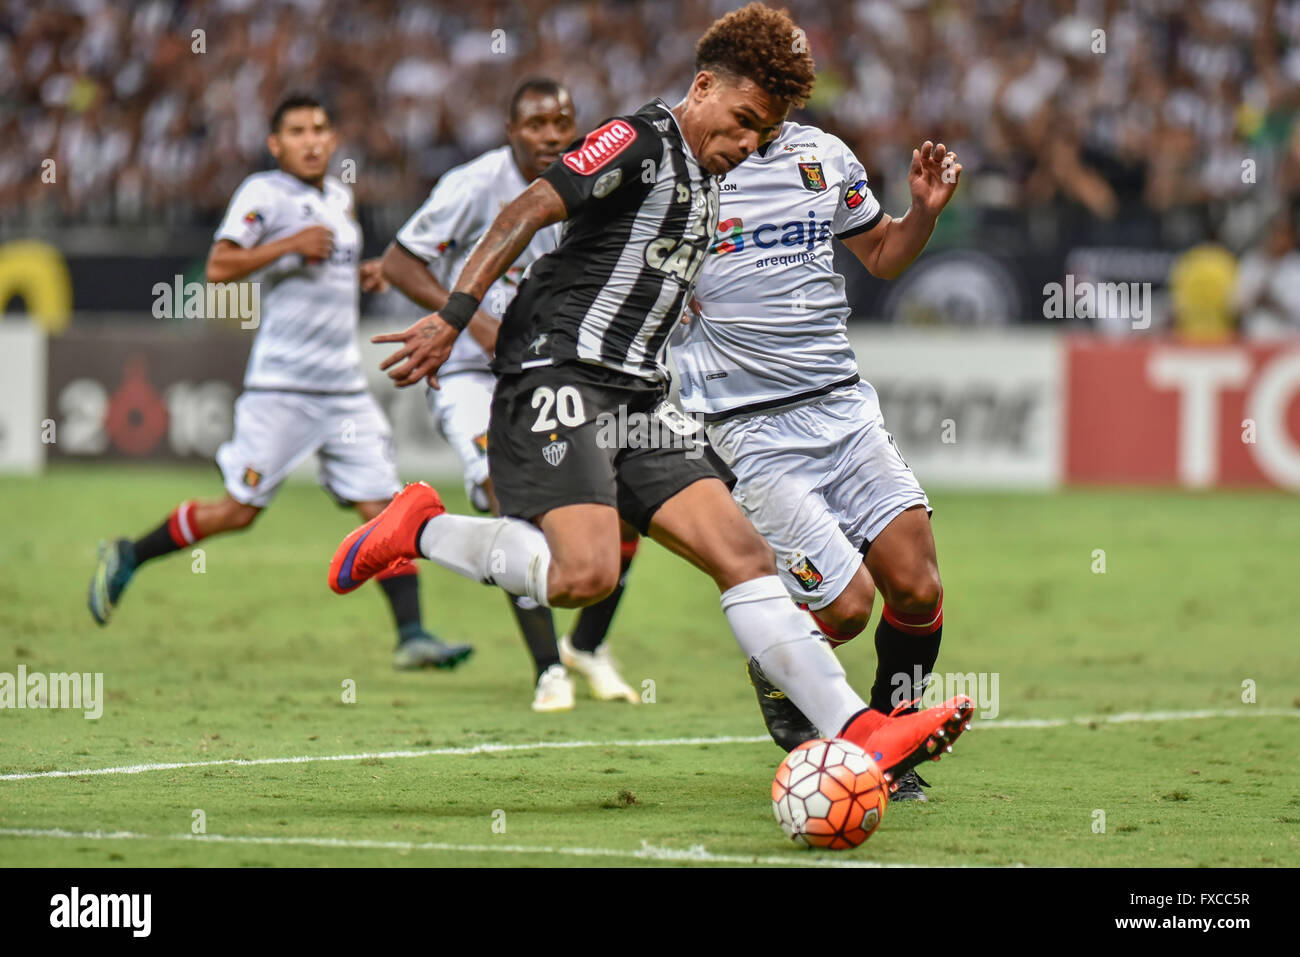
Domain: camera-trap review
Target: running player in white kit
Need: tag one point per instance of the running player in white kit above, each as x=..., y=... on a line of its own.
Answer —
x=766, y=362
x=294, y=231
x=429, y=252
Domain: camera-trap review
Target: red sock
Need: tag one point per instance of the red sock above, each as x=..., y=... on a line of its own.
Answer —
x=181, y=527
x=925, y=624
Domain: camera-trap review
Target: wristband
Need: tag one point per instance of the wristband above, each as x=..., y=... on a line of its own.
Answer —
x=458, y=310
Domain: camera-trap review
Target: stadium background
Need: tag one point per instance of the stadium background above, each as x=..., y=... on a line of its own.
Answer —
x=1147, y=143
x=1167, y=153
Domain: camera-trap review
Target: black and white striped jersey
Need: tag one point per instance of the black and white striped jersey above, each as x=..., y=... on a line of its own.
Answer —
x=641, y=216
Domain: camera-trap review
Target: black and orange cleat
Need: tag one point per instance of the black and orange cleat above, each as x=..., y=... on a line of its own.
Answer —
x=391, y=536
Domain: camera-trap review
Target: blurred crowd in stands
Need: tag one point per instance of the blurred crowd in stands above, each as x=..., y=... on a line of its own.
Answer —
x=1166, y=123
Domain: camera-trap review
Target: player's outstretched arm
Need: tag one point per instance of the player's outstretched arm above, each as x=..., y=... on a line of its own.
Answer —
x=228, y=261
x=411, y=276
x=892, y=246
x=427, y=343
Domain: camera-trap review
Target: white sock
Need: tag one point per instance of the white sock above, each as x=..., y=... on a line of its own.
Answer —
x=495, y=551
x=790, y=651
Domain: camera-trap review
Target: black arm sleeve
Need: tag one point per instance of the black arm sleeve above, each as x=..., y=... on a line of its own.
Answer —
x=618, y=158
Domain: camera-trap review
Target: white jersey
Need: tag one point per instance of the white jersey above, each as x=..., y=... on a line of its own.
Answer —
x=307, y=332
x=445, y=230
x=773, y=309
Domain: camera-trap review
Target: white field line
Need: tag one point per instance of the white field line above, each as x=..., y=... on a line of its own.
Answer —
x=647, y=851
x=993, y=725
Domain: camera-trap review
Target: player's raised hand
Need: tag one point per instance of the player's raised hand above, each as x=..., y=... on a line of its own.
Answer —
x=933, y=177
x=372, y=276
x=315, y=243
x=426, y=344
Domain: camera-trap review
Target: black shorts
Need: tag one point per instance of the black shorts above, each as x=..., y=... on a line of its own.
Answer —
x=578, y=433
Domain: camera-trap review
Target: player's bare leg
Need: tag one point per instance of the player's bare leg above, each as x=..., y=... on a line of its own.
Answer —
x=416, y=647
x=703, y=524
x=846, y=616
x=187, y=524
x=584, y=649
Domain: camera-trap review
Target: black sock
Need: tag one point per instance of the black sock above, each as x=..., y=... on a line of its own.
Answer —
x=156, y=543
x=897, y=656
x=537, y=625
x=594, y=620
x=403, y=593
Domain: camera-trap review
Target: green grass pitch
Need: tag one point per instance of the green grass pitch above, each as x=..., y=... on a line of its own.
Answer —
x=1198, y=605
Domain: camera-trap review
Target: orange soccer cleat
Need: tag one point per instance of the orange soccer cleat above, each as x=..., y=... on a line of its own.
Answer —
x=391, y=536
x=900, y=742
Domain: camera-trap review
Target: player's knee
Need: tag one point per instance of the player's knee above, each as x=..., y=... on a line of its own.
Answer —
x=849, y=614
x=239, y=516
x=917, y=594
x=585, y=585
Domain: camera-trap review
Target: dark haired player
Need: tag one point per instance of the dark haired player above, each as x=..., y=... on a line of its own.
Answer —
x=767, y=364
x=585, y=336
x=293, y=230
x=422, y=262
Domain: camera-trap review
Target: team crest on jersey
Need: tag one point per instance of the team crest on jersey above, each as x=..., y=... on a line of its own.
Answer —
x=813, y=177
x=251, y=477
x=554, y=453
x=480, y=443
x=856, y=194
x=599, y=147
x=805, y=572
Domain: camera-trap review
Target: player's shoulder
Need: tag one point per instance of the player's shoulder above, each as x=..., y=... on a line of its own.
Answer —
x=486, y=167
x=802, y=136
x=267, y=181
x=617, y=137
x=332, y=185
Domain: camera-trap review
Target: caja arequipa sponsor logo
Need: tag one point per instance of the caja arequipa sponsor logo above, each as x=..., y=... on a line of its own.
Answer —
x=808, y=233
x=600, y=146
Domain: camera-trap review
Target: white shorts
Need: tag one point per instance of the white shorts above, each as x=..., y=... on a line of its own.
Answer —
x=274, y=431
x=818, y=480
x=461, y=408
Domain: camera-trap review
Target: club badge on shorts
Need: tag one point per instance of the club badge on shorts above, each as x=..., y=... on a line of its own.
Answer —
x=554, y=453
x=813, y=178
x=251, y=477
x=805, y=572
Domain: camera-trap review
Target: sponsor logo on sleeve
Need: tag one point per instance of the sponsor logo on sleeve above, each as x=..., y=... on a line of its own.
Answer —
x=599, y=147
x=813, y=178
x=252, y=218
x=856, y=194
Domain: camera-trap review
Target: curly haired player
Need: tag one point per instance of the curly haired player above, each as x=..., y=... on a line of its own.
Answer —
x=586, y=337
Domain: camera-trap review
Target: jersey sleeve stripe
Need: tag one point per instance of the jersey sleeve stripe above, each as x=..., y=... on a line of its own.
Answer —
x=865, y=227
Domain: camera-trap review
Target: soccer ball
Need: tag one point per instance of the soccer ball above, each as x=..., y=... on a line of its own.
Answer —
x=829, y=793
